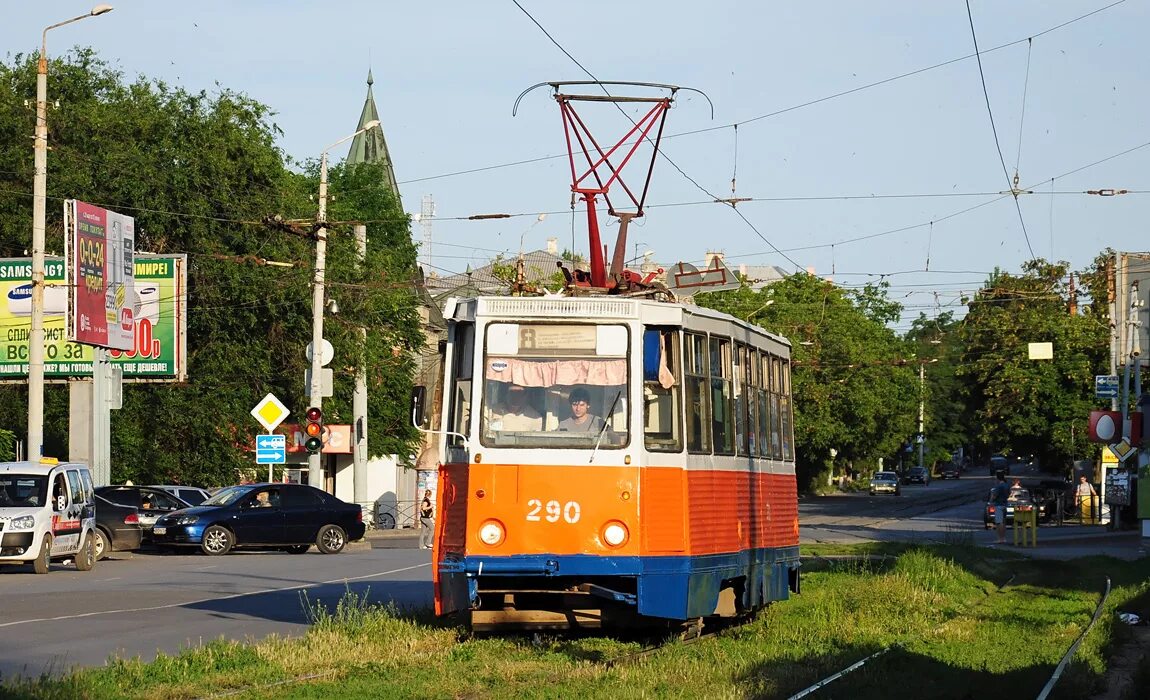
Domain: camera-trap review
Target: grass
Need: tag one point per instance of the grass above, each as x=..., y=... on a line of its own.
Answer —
x=953, y=627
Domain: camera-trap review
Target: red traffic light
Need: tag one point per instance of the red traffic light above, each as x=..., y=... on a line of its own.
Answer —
x=313, y=430
x=314, y=414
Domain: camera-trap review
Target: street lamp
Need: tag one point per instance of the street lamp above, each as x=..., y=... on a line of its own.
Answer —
x=39, y=203
x=315, y=473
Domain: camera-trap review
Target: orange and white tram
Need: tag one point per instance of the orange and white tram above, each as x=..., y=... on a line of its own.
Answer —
x=608, y=461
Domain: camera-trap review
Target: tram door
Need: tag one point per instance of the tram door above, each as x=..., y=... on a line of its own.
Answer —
x=451, y=588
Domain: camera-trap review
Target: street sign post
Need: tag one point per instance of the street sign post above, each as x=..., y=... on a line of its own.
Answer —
x=271, y=450
x=1106, y=386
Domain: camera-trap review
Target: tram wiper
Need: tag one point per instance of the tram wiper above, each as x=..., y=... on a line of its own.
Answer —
x=603, y=430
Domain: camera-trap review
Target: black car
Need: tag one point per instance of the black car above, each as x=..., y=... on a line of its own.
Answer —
x=1019, y=498
x=117, y=528
x=150, y=503
x=291, y=517
x=918, y=475
x=950, y=471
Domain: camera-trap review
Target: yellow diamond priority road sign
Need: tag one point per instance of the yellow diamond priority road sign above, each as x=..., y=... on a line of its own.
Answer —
x=1123, y=449
x=270, y=412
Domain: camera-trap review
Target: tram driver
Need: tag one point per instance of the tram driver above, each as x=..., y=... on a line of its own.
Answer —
x=518, y=415
x=581, y=420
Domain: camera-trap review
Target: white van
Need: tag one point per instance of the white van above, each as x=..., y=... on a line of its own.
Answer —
x=47, y=511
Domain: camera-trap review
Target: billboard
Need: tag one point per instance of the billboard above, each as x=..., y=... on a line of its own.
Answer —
x=158, y=351
x=99, y=247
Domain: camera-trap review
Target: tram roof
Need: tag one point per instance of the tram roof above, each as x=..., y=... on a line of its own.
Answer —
x=599, y=308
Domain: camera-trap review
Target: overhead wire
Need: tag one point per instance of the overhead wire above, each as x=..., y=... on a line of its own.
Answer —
x=1013, y=187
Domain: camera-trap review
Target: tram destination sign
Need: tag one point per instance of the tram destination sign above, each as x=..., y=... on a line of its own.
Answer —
x=159, y=348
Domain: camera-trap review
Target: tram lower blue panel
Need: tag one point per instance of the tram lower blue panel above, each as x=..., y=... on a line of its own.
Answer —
x=671, y=587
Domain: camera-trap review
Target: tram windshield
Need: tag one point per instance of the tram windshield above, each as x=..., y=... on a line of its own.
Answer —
x=555, y=385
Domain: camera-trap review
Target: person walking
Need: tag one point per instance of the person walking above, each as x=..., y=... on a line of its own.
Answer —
x=1000, y=495
x=426, y=520
x=1086, y=495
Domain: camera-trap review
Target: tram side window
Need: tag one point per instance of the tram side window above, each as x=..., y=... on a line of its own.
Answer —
x=763, y=372
x=722, y=416
x=695, y=384
x=785, y=412
x=744, y=443
x=661, y=370
x=776, y=408
x=461, y=375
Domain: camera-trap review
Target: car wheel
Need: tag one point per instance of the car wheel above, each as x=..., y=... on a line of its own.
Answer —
x=386, y=521
x=102, y=544
x=872, y=493
x=331, y=539
x=43, y=561
x=86, y=557
x=297, y=548
x=217, y=540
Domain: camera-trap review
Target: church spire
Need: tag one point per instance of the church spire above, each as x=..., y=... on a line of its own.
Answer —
x=370, y=146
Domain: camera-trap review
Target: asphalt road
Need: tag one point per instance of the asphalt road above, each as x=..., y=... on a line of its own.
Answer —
x=135, y=605
x=931, y=513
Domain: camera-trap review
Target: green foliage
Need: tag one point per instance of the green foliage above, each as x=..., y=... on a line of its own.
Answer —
x=851, y=392
x=1031, y=406
x=199, y=172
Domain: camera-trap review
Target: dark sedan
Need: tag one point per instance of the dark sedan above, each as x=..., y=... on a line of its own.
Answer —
x=117, y=528
x=291, y=517
x=149, y=501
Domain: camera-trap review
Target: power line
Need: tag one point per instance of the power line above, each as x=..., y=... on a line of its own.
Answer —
x=994, y=130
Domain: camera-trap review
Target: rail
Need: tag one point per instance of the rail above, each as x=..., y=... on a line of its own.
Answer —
x=390, y=515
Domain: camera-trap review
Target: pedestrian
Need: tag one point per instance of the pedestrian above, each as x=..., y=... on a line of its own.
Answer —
x=1000, y=495
x=1086, y=495
x=426, y=521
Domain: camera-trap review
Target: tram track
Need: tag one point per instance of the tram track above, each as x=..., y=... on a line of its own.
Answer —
x=1043, y=694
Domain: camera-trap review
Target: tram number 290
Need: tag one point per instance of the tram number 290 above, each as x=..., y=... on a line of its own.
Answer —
x=552, y=511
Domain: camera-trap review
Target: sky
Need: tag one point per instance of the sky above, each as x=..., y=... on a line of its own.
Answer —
x=902, y=181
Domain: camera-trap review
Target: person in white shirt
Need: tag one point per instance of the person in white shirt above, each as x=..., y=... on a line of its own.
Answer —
x=518, y=415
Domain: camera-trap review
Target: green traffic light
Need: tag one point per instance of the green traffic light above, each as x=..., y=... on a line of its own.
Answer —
x=313, y=444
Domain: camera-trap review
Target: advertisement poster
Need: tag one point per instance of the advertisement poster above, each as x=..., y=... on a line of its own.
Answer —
x=100, y=252
x=159, y=314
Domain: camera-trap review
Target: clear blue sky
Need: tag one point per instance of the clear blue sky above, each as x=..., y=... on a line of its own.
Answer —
x=447, y=74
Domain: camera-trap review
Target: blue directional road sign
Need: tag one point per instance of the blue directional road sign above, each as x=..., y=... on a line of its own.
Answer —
x=1106, y=386
x=271, y=449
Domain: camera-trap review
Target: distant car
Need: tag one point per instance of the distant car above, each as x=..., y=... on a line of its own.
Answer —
x=885, y=482
x=291, y=517
x=1018, y=497
x=950, y=471
x=918, y=475
x=149, y=501
x=192, y=495
x=117, y=528
x=999, y=463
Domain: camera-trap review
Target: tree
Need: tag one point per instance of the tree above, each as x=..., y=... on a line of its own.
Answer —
x=947, y=423
x=1033, y=407
x=200, y=172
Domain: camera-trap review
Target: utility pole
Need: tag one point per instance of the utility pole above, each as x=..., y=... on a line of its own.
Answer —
x=921, y=406
x=359, y=396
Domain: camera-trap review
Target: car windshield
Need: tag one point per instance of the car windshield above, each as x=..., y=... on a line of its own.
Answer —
x=18, y=490
x=1019, y=495
x=885, y=476
x=227, y=496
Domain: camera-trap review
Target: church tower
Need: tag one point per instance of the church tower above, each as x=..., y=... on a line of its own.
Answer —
x=370, y=146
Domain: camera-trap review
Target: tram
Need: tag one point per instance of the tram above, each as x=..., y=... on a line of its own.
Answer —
x=612, y=457
x=675, y=498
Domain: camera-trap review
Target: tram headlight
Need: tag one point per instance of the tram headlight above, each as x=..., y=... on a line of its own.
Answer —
x=491, y=532
x=615, y=533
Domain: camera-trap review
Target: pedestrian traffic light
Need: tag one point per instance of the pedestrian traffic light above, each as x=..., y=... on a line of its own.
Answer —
x=313, y=431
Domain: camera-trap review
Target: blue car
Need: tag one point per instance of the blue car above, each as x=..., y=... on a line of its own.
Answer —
x=291, y=517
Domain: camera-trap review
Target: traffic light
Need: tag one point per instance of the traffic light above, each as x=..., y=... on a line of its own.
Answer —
x=313, y=431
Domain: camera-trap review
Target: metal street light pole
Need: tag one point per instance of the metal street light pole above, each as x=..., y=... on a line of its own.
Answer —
x=39, y=204
x=314, y=460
